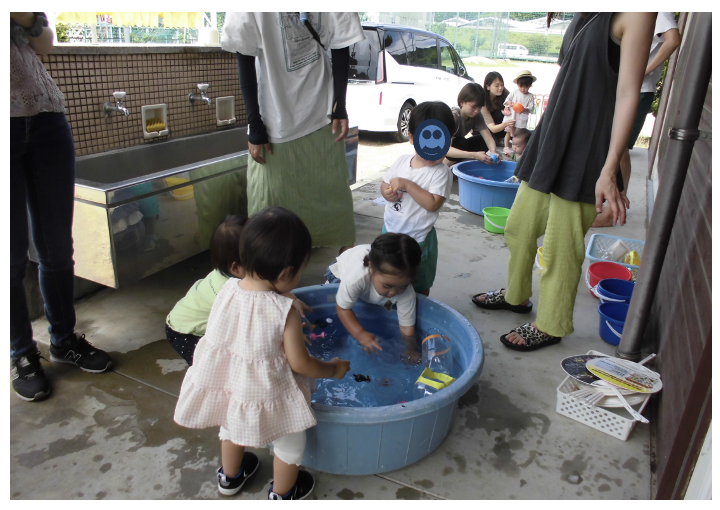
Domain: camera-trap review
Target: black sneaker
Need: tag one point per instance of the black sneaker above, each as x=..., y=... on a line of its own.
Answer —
x=231, y=486
x=81, y=353
x=28, y=377
x=304, y=485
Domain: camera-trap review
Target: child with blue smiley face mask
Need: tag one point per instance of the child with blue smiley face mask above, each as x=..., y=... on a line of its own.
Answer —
x=416, y=186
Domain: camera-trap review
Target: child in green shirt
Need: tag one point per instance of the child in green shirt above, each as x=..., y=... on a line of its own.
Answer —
x=186, y=322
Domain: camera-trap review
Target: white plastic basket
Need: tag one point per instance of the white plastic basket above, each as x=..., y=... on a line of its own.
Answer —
x=615, y=422
x=600, y=242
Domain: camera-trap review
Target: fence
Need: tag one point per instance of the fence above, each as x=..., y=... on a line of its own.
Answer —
x=107, y=33
x=511, y=35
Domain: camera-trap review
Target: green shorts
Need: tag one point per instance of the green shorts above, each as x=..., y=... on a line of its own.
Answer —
x=428, y=264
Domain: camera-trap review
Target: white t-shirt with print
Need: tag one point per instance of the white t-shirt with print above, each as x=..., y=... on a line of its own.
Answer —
x=664, y=22
x=355, y=282
x=406, y=216
x=295, y=89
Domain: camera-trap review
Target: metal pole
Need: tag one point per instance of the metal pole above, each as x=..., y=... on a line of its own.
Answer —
x=457, y=19
x=683, y=134
x=507, y=28
x=477, y=29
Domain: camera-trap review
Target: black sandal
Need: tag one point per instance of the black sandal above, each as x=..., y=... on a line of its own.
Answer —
x=495, y=300
x=534, y=338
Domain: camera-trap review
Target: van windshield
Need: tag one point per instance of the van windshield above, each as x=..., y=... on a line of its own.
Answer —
x=364, y=57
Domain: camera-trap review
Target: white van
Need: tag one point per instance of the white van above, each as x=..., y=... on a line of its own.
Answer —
x=396, y=68
x=512, y=50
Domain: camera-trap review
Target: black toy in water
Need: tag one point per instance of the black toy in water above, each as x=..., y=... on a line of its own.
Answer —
x=361, y=378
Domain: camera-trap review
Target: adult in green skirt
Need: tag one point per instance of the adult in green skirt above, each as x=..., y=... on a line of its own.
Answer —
x=294, y=96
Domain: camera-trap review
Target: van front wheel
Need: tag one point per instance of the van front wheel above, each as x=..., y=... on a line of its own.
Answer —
x=402, y=134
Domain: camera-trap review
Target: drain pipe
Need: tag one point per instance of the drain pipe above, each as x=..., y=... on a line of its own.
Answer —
x=682, y=135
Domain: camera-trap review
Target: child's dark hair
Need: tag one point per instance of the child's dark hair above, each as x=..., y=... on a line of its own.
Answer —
x=224, y=243
x=273, y=239
x=524, y=81
x=522, y=134
x=436, y=110
x=472, y=93
x=392, y=253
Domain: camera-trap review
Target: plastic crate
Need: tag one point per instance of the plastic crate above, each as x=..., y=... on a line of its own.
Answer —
x=600, y=242
x=615, y=422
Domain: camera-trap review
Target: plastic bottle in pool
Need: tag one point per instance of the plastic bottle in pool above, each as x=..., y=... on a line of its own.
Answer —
x=437, y=365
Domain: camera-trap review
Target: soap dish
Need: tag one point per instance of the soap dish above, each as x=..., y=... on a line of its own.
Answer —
x=225, y=110
x=154, y=120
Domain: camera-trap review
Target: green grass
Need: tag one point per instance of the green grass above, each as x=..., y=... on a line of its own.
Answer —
x=537, y=44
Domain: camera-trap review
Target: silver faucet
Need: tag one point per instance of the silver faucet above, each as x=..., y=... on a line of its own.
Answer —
x=203, y=97
x=119, y=98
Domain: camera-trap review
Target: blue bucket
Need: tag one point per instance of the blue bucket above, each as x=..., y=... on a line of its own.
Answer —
x=612, y=321
x=614, y=290
x=482, y=185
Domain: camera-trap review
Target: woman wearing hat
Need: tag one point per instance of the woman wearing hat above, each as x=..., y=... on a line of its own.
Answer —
x=570, y=167
x=518, y=105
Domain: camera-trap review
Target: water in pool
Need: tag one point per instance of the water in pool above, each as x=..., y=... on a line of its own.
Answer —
x=391, y=377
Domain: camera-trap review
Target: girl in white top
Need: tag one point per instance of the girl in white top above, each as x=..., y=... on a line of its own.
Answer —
x=525, y=99
x=380, y=273
x=251, y=369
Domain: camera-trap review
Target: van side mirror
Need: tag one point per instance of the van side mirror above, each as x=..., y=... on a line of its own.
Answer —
x=462, y=71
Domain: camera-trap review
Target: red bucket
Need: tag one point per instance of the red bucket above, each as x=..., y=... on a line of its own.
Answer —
x=602, y=270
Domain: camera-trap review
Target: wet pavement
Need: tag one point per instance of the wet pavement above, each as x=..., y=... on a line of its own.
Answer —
x=112, y=436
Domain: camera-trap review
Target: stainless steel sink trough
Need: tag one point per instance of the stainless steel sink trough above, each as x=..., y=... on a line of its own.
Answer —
x=142, y=209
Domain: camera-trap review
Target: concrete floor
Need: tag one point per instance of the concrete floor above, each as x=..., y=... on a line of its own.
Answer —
x=112, y=436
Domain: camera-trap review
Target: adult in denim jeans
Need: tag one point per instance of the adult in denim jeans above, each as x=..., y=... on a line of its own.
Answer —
x=42, y=180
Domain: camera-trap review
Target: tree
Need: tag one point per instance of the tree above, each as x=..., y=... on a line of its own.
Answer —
x=364, y=16
x=62, y=33
x=439, y=28
x=537, y=44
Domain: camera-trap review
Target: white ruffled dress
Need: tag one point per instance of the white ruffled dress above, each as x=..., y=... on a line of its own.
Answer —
x=240, y=378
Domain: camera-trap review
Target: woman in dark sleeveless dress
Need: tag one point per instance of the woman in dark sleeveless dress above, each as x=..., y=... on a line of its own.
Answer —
x=569, y=168
x=495, y=94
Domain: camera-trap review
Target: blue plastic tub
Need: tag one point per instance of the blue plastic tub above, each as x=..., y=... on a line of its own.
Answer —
x=614, y=290
x=612, y=317
x=482, y=185
x=369, y=440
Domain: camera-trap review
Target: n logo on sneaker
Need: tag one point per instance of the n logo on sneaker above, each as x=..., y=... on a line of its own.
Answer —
x=72, y=356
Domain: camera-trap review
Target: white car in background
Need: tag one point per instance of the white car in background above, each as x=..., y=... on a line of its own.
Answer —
x=396, y=68
x=512, y=51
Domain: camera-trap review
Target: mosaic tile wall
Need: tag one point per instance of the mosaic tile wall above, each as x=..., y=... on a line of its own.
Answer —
x=88, y=80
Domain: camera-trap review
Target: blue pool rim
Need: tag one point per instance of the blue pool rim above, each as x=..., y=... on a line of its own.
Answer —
x=378, y=415
x=371, y=440
x=460, y=170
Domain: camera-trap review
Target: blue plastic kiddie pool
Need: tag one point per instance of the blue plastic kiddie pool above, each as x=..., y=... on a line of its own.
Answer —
x=369, y=440
x=482, y=185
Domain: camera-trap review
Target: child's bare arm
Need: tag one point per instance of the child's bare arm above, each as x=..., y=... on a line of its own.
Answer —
x=300, y=359
x=411, y=348
x=353, y=326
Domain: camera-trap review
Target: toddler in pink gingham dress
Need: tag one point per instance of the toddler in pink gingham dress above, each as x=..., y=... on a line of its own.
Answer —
x=250, y=371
